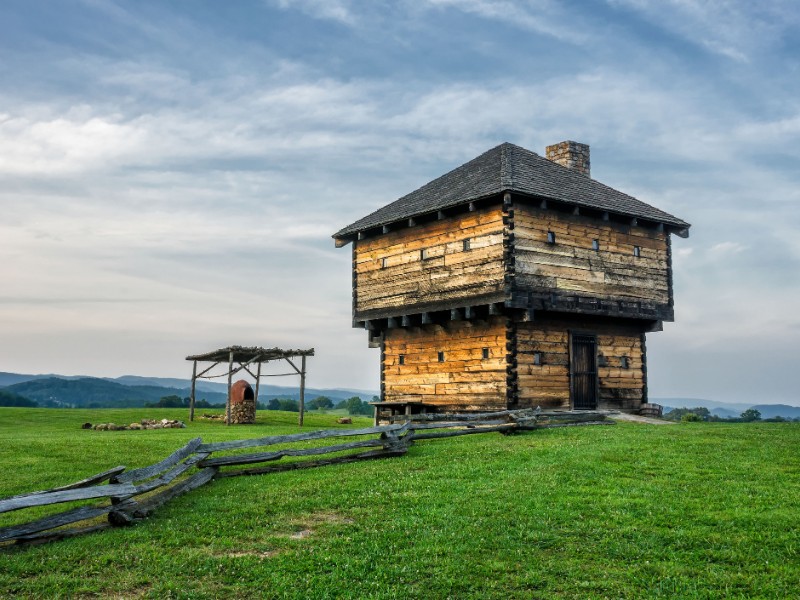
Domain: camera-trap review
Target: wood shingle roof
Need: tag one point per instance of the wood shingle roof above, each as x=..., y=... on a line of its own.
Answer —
x=510, y=168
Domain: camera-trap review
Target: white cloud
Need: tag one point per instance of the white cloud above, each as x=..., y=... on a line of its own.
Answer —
x=66, y=143
x=729, y=28
x=334, y=10
x=726, y=249
x=541, y=16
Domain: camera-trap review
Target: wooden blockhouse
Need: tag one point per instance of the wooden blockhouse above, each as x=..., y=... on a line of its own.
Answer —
x=513, y=281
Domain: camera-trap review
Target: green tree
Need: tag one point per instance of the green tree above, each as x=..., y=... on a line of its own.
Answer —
x=289, y=405
x=171, y=401
x=677, y=414
x=750, y=415
x=273, y=404
x=11, y=399
x=320, y=402
x=356, y=406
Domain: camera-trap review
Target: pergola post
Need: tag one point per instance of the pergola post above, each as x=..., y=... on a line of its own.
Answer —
x=191, y=398
x=302, y=388
x=258, y=381
x=230, y=383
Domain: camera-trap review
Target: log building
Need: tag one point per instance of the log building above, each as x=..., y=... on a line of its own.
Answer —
x=513, y=281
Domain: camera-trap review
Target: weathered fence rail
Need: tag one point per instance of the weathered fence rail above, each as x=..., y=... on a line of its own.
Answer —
x=134, y=495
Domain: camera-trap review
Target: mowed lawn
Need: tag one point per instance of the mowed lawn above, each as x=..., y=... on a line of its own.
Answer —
x=629, y=511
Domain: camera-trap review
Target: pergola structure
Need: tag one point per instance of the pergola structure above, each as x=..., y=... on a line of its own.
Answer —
x=240, y=358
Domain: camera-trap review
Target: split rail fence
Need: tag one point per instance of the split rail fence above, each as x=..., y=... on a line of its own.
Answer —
x=133, y=495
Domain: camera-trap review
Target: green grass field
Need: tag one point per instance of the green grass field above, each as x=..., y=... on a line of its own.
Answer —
x=630, y=511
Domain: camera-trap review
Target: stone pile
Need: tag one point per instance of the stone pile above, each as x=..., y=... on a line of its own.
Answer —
x=143, y=424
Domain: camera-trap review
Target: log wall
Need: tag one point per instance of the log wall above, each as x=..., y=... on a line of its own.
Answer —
x=391, y=274
x=463, y=381
x=571, y=266
x=545, y=385
x=548, y=385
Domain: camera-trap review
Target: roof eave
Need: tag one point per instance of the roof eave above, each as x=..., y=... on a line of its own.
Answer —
x=346, y=235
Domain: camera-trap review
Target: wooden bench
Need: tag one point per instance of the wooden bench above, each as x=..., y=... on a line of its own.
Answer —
x=387, y=410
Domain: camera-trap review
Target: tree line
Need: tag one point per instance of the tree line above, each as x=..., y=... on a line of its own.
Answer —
x=353, y=405
x=700, y=413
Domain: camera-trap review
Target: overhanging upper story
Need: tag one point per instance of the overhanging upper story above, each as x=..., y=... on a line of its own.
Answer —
x=511, y=231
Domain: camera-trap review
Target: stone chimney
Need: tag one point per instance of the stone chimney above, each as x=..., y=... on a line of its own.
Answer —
x=572, y=155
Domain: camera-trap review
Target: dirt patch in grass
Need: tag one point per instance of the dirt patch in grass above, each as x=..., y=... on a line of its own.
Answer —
x=132, y=594
x=299, y=535
x=261, y=554
x=307, y=526
x=640, y=419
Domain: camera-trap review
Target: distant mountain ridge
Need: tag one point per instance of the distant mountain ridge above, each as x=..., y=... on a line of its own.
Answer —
x=134, y=391
x=727, y=410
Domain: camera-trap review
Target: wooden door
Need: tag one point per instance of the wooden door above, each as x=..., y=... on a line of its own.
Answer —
x=583, y=370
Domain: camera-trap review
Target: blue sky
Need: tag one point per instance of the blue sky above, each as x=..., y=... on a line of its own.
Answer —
x=171, y=172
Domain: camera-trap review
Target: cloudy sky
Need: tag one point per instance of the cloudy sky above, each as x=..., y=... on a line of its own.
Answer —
x=171, y=172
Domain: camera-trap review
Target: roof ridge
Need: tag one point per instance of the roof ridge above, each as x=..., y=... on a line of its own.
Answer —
x=506, y=166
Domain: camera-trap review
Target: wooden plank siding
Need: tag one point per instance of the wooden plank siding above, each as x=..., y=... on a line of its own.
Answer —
x=464, y=380
x=545, y=385
x=571, y=266
x=391, y=273
x=548, y=385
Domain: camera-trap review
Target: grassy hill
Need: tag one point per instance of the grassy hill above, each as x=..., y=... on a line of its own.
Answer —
x=91, y=392
x=634, y=511
x=58, y=391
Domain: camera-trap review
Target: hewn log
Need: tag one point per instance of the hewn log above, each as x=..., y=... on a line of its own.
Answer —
x=134, y=510
x=246, y=459
x=293, y=437
x=469, y=417
x=172, y=474
x=61, y=534
x=159, y=467
x=317, y=463
x=573, y=417
x=71, y=516
x=45, y=498
x=466, y=431
x=576, y=424
x=78, y=484
x=451, y=424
